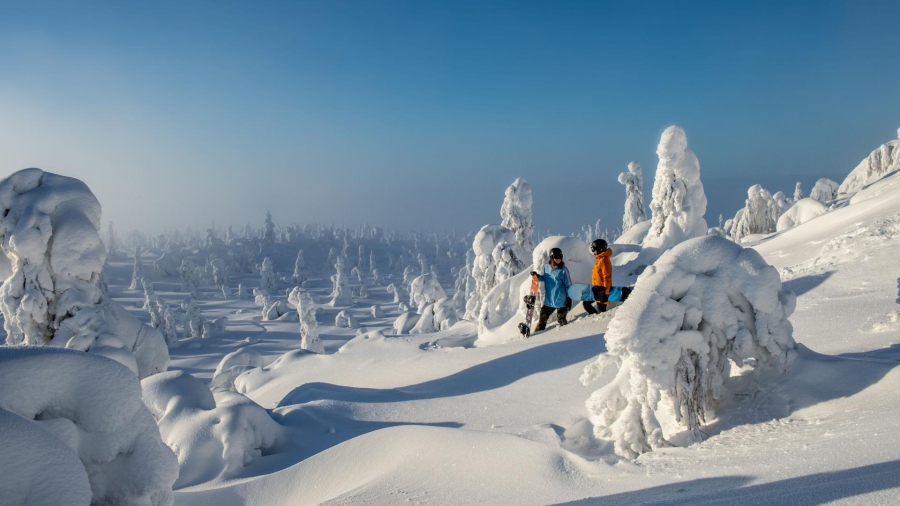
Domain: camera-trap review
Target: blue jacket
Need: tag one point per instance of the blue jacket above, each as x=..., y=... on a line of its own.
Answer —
x=556, y=285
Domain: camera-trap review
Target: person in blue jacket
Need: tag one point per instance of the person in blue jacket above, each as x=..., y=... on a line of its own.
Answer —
x=555, y=277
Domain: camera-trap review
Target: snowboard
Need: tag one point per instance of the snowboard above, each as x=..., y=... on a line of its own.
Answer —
x=580, y=292
x=525, y=328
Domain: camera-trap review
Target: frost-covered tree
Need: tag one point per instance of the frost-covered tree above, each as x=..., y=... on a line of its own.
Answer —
x=758, y=215
x=190, y=275
x=884, y=160
x=340, y=293
x=824, y=191
x=516, y=215
x=229, y=236
x=267, y=275
x=424, y=290
x=220, y=274
x=309, y=328
x=361, y=260
x=465, y=285
x=152, y=304
x=798, y=192
x=373, y=268
x=704, y=305
x=193, y=322
x=170, y=323
x=111, y=245
x=633, y=180
x=484, y=270
x=137, y=273
x=50, y=233
x=299, y=269
x=398, y=291
x=268, y=231
x=678, y=203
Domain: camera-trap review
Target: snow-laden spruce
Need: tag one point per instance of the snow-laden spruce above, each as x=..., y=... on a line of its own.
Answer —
x=633, y=180
x=758, y=216
x=516, y=215
x=679, y=203
x=267, y=275
x=309, y=327
x=49, y=231
x=704, y=305
x=824, y=191
x=299, y=275
x=268, y=231
x=484, y=269
x=137, y=273
x=424, y=290
x=214, y=435
x=884, y=160
x=93, y=407
x=340, y=291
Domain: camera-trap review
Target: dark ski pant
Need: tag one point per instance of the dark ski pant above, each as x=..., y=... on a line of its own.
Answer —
x=546, y=311
x=600, y=297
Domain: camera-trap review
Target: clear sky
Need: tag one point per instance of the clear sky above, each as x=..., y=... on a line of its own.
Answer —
x=418, y=114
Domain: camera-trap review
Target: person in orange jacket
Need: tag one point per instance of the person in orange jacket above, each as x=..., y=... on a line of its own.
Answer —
x=601, y=277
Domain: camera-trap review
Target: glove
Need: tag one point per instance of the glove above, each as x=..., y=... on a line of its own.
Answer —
x=534, y=273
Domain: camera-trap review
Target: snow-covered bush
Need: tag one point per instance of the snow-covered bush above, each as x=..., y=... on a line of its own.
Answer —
x=345, y=320
x=309, y=328
x=516, y=215
x=704, y=305
x=633, y=180
x=884, y=160
x=403, y=307
x=49, y=231
x=274, y=309
x=267, y=275
x=405, y=322
x=137, y=273
x=434, y=317
x=213, y=435
x=678, y=203
x=802, y=211
x=425, y=289
x=92, y=406
x=824, y=191
x=233, y=365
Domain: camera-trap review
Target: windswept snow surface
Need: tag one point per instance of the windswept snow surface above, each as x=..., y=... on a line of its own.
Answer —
x=431, y=418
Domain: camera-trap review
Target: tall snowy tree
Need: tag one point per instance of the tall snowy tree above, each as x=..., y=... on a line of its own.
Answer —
x=137, y=273
x=267, y=275
x=299, y=268
x=340, y=293
x=678, y=203
x=268, y=231
x=798, y=192
x=516, y=216
x=309, y=328
x=758, y=215
x=633, y=180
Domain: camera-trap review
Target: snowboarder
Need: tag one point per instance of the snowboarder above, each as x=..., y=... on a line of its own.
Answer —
x=601, y=277
x=555, y=277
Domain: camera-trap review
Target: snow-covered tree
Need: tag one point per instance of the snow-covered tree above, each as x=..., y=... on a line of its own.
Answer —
x=465, y=284
x=678, y=203
x=884, y=160
x=757, y=217
x=50, y=233
x=309, y=328
x=704, y=305
x=361, y=260
x=220, y=275
x=484, y=270
x=516, y=215
x=111, y=245
x=798, y=192
x=152, y=304
x=372, y=266
x=268, y=231
x=424, y=290
x=340, y=293
x=345, y=319
x=633, y=180
x=190, y=275
x=267, y=275
x=137, y=273
x=229, y=236
x=398, y=291
x=170, y=323
x=299, y=269
x=193, y=322
x=824, y=191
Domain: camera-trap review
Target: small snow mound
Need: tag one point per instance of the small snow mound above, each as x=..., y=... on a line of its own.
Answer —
x=802, y=211
x=214, y=435
x=233, y=365
x=345, y=319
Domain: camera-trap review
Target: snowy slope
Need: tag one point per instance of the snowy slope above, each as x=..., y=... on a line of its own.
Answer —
x=390, y=419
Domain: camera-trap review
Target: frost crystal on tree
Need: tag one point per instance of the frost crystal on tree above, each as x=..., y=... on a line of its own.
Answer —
x=138, y=272
x=267, y=275
x=704, y=304
x=516, y=215
x=884, y=160
x=824, y=191
x=309, y=328
x=633, y=180
x=340, y=293
x=299, y=268
x=268, y=231
x=49, y=231
x=678, y=203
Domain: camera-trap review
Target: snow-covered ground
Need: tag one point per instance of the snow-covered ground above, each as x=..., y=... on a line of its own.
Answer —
x=445, y=418
x=432, y=419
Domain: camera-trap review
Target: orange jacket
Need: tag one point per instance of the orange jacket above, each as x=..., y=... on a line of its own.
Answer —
x=602, y=273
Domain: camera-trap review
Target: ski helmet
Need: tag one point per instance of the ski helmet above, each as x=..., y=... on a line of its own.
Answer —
x=556, y=253
x=599, y=246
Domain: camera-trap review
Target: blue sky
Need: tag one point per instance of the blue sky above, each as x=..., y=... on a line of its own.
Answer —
x=418, y=114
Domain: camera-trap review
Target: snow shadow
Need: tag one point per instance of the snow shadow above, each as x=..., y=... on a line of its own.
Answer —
x=890, y=354
x=807, y=490
x=804, y=284
x=490, y=375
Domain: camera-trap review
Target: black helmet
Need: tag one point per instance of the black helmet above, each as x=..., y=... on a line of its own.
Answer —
x=599, y=246
x=556, y=253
